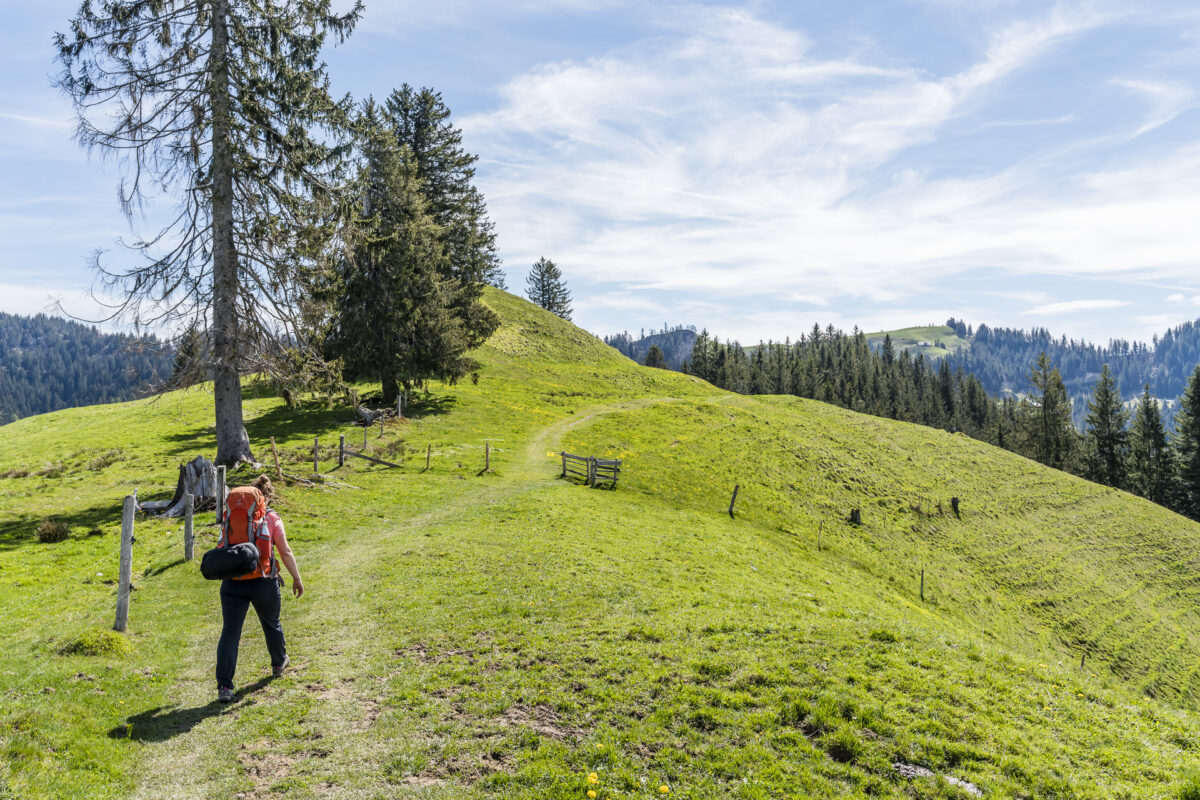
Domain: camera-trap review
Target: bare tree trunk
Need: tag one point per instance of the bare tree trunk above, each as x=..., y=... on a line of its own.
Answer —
x=233, y=445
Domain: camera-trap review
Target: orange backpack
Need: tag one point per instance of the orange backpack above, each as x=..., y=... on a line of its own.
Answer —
x=245, y=520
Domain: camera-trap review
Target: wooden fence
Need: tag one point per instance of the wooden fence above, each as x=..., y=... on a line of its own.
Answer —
x=590, y=470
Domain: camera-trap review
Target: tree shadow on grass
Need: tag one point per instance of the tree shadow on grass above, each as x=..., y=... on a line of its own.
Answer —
x=166, y=722
x=432, y=405
x=20, y=531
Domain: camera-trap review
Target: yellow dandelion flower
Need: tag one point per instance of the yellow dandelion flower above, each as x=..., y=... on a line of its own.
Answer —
x=664, y=789
x=591, y=792
x=593, y=778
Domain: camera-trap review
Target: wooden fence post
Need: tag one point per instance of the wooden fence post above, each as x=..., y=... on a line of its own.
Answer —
x=487, y=456
x=342, y=450
x=126, y=565
x=855, y=516
x=428, y=454
x=922, y=586
x=365, y=436
x=220, y=493
x=400, y=405
x=563, y=453
x=820, y=530
x=275, y=453
x=733, y=500
x=316, y=456
x=381, y=426
x=954, y=506
x=1083, y=659
x=189, y=538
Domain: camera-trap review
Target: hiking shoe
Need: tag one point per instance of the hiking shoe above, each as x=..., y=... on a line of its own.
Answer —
x=224, y=694
x=277, y=672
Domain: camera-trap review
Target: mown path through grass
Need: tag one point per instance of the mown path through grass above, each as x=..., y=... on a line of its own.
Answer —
x=318, y=718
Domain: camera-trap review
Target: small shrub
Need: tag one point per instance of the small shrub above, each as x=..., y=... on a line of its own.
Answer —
x=704, y=720
x=644, y=634
x=707, y=670
x=1190, y=790
x=54, y=470
x=795, y=713
x=15, y=473
x=885, y=636
x=843, y=745
x=52, y=530
x=107, y=458
x=99, y=643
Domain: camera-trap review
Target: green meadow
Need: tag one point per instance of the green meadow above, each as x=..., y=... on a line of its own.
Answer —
x=471, y=634
x=940, y=340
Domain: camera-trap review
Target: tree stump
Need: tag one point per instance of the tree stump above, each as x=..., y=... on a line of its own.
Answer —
x=855, y=516
x=198, y=478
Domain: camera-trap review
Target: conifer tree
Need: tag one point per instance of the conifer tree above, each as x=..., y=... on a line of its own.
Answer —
x=420, y=120
x=1106, y=438
x=1187, y=447
x=545, y=286
x=654, y=358
x=398, y=315
x=218, y=103
x=1150, y=467
x=1049, y=435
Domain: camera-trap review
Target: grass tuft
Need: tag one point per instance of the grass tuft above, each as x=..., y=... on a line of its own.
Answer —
x=99, y=643
x=52, y=530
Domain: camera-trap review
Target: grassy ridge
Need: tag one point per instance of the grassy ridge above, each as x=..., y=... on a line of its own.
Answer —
x=1036, y=553
x=942, y=340
x=506, y=634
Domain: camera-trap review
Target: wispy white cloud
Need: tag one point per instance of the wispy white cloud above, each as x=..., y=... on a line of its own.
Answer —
x=1073, y=306
x=725, y=157
x=1166, y=100
x=35, y=120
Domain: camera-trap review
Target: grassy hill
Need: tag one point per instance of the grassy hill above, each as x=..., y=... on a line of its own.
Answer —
x=509, y=634
x=933, y=341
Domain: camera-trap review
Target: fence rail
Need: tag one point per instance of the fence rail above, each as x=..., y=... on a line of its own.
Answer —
x=589, y=469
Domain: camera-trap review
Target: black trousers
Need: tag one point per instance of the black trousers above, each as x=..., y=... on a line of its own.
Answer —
x=236, y=597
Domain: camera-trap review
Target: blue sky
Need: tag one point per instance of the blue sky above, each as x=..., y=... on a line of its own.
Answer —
x=750, y=168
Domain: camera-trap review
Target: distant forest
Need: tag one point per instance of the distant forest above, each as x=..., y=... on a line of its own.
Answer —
x=1131, y=451
x=48, y=363
x=1001, y=358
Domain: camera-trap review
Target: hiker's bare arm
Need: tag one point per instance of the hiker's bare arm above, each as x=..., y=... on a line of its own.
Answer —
x=289, y=560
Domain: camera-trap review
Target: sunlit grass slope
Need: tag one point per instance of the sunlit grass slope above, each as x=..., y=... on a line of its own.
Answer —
x=507, y=634
x=931, y=340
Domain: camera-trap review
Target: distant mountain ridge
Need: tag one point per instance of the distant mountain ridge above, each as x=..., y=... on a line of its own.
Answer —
x=675, y=343
x=49, y=363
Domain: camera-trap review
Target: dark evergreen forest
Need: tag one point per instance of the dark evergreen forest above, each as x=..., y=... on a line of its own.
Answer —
x=48, y=363
x=1001, y=357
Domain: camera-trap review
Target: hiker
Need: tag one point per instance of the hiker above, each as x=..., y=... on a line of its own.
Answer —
x=260, y=588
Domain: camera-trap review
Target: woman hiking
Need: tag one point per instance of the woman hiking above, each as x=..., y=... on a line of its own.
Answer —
x=260, y=588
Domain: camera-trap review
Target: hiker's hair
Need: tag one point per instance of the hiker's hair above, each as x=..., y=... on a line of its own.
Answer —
x=263, y=484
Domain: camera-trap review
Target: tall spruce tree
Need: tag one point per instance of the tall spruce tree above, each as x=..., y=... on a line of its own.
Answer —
x=400, y=315
x=1187, y=447
x=421, y=121
x=654, y=358
x=545, y=286
x=1150, y=464
x=218, y=103
x=1050, y=437
x=1106, y=437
